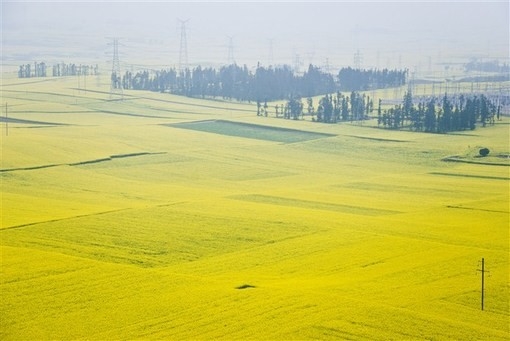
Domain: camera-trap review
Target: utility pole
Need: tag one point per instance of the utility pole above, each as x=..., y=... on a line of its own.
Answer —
x=183, y=51
x=483, y=271
x=116, y=77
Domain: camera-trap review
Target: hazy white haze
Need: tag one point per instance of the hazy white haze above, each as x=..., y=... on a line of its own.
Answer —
x=416, y=35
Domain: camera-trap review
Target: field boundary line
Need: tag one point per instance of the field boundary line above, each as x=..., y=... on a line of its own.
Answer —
x=476, y=209
x=380, y=139
x=66, y=218
x=81, y=163
x=312, y=205
x=87, y=215
x=179, y=102
x=471, y=176
x=456, y=158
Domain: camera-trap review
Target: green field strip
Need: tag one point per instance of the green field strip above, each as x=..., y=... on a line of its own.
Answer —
x=252, y=131
x=314, y=205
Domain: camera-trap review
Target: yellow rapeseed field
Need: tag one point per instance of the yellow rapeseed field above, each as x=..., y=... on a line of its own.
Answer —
x=126, y=220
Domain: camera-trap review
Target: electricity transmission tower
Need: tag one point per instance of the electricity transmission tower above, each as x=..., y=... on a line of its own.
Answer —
x=270, y=56
x=327, y=67
x=297, y=63
x=116, y=78
x=230, y=57
x=183, y=50
x=358, y=60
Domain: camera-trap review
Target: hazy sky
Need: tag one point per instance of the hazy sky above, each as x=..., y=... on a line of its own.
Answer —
x=404, y=33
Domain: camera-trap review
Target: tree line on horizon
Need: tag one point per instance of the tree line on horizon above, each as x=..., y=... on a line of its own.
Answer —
x=332, y=108
x=58, y=70
x=475, y=65
x=265, y=84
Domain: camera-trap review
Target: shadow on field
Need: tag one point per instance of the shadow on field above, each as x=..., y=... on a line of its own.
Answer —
x=245, y=286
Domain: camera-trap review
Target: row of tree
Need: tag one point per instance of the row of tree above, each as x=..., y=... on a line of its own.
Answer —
x=265, y=84
x=233, y=82
x=440, y=115
x=435, y=115
x=360, y=80
x=330, y=109
x=26, y=70
x=486, y=66
x=61, y=69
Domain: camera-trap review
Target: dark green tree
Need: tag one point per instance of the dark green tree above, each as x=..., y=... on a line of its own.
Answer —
x=295, y=108
x=379, y=113
x=430, y=117
x=326, y=107
x=310, y=108
x=407, y=105
x=345, y=108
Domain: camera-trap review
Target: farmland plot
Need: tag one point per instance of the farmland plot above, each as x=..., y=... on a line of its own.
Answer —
x=121, y=224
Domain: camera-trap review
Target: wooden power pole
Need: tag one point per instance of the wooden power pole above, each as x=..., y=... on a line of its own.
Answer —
x=483, y=271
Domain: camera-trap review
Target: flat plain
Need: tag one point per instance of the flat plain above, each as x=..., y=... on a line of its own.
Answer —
x=165, y=217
